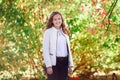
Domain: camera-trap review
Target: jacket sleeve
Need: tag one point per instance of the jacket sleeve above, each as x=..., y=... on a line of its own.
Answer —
x=70, y=54
x=46, y=45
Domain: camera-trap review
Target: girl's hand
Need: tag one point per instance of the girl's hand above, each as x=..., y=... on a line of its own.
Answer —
x=49, y=70
x=70, y=70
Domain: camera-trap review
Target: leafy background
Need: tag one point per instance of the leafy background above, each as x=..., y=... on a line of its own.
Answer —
x=95, y=35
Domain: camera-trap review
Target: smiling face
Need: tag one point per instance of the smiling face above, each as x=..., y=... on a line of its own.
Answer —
x=57, y=21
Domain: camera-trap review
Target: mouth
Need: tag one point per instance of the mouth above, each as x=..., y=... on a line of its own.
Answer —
x=58, y=23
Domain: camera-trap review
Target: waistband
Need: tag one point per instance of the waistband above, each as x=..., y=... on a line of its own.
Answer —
x=62, y=58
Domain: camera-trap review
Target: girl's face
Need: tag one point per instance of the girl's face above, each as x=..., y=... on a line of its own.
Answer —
x=57, y=21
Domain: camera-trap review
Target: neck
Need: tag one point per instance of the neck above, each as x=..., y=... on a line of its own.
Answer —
x=57, y=28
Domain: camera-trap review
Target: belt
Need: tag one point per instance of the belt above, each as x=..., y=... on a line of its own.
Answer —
x=62, y=58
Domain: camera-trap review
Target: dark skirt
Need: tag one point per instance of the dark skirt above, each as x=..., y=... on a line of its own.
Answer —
x=60, y=71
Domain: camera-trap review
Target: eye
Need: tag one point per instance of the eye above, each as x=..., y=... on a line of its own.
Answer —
x=55, y=19
x=59, y=18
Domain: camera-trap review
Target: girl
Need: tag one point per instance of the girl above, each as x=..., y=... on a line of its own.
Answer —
x=56, y=48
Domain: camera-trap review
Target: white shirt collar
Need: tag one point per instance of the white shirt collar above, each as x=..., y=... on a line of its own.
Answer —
x=57, y=29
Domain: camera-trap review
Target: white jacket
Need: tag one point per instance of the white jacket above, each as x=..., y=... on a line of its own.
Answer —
x=49, y=47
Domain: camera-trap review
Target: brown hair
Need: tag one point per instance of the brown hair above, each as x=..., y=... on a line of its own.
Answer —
x=50, y=23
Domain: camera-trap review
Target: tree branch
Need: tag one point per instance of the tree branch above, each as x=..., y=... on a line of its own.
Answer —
x=110, y=13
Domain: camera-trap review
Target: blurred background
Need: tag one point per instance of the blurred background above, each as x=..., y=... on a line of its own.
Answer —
x=95, y=38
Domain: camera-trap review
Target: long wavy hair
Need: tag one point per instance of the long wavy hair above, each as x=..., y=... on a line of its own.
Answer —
x=50, y=23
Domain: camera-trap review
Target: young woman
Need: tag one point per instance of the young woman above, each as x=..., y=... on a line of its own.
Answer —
x=56, y=48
